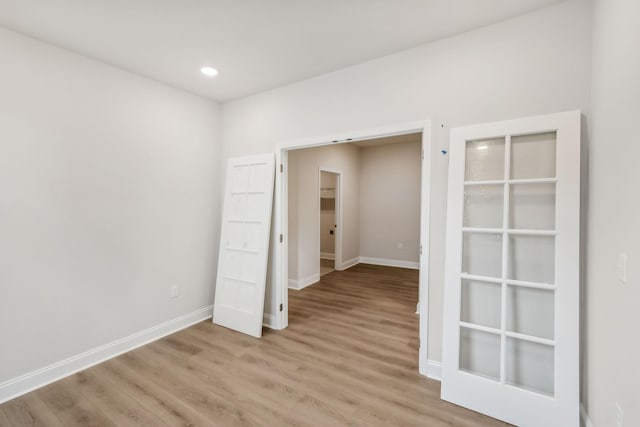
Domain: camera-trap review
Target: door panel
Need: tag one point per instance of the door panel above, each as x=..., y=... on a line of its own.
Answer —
x=244, y=242
x=511, y=294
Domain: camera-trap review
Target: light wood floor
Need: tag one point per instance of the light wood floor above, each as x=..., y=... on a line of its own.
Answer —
x=349, y=357
x=326, y=266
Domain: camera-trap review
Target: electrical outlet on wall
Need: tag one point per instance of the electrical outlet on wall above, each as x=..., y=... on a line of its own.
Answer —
x=173, y=292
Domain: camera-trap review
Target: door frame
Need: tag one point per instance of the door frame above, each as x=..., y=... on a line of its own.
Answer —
x=281, y=206
x=337, y=259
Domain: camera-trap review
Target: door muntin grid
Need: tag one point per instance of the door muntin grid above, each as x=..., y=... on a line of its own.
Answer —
x=508, y=267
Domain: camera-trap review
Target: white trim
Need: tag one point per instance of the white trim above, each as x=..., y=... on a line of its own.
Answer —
x=434, y=370
x=304, y=282
x=348, y=263
x=390, y=262
x=280, y=275
x=425, y=221
x=269, y=321
x=39, y=378
x=327, y=255
x=361, y=135
x=584, y=417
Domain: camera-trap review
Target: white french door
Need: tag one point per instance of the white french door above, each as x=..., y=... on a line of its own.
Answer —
x=244, y=244
x=511, y=329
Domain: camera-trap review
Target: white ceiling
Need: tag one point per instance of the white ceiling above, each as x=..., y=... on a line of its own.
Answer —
x=256, y=44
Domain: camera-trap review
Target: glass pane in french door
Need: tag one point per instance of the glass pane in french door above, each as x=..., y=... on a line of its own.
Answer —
x=532, y=206
x=507, y=285
x=531, y=258
x=482, y=254
x=480, y=353
x=484, y=160
x=483, y=206
x=530, y=311
x=530, y=365
x=533, y=156
x=480, y=303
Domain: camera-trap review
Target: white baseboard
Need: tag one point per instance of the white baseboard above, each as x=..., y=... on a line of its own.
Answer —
x=390, y=262
x=303, y=283
x=584, y=417
x=41, y=377
x=422, y=360
x=269, y=321
x=348, y=264
x=326, y=255
x=434, y=370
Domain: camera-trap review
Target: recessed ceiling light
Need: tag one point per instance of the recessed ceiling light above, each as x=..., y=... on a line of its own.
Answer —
x=209, y=71
x=482, y=147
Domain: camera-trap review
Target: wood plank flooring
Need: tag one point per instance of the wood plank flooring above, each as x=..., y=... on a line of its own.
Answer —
x=326, y=266
x=348, y=358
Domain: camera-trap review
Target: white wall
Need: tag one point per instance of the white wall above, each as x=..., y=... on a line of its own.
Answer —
x=612, y=312
x=109, y=188
x=390, y=201
x=305, y=235
x=537, y=63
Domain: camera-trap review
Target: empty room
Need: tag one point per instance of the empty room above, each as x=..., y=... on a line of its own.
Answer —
x=411, y=213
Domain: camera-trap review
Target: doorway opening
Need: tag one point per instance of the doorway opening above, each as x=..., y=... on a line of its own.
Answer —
x=329, y=196
x=344, y=255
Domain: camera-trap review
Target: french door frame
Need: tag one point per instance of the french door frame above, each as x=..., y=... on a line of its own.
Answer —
x=497, y=398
